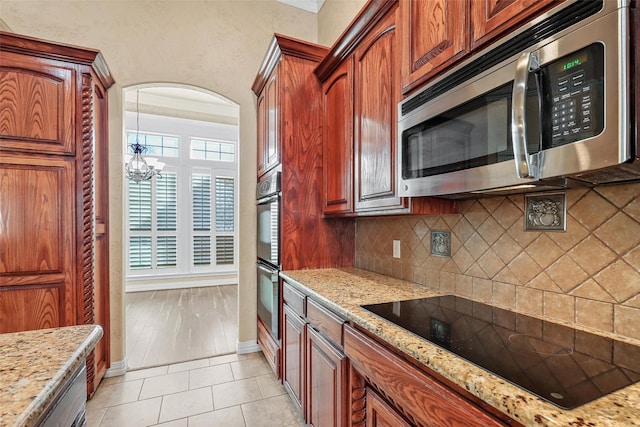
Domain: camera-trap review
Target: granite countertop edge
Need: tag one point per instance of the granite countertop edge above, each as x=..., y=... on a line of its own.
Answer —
x=69, y=362
x=344, y=290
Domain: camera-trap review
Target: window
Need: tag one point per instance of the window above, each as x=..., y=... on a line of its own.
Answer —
x=157, y=145
x=213, y=150
x=184, y=221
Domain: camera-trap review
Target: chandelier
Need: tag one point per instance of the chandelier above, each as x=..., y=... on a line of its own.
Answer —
x=136, y=167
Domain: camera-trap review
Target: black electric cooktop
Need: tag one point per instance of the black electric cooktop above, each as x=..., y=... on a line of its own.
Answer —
x=562, y=365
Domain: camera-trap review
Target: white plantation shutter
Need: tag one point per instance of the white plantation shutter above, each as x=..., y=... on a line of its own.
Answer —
x=224, y=204
x=167, y=202
x=166, y=254
x=201, y=200
x=201, y=250
x=140, y=252
x=140, y=206
x=225, y=213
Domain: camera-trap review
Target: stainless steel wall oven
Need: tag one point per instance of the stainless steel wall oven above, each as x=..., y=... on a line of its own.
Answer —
x=268, y=251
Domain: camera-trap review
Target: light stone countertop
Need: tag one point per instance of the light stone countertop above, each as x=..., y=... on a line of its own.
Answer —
x=35, y=365
x=344, y=290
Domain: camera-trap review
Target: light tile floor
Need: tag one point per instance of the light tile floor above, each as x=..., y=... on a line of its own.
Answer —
x=226, y=391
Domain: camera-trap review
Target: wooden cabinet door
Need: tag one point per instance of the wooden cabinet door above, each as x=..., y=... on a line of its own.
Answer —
x=272, y=127
x=37, y=237
x=326, y=382
x=268, y=125
x=337, y=140
x=375, y=111
x=37, y=106
x=293, y=356
x=380, y=413
x=491, y=18
x=261, y=131
x=434, y=33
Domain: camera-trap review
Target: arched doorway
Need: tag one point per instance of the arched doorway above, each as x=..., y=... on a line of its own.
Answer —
x=180, y=227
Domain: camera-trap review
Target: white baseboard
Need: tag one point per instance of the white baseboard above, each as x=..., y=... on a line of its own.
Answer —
x=117, y=368
x=179, y=285
x=247, y=347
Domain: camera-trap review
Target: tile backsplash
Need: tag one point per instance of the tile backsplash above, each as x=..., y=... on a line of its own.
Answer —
x=588, y=275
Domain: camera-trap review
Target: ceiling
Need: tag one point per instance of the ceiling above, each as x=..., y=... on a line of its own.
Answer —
x=183, y=102
x=309, y=5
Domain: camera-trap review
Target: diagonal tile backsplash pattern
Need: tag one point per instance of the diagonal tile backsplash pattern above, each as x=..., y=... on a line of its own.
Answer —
x=588, y=275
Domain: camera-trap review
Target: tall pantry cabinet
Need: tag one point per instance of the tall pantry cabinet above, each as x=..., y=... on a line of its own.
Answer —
x=54, y=268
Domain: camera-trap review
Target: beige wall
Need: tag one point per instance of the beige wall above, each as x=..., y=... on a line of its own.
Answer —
x=215, y=45
x=334, y=17
x=587, y=276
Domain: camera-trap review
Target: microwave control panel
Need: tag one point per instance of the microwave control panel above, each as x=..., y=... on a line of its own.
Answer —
x=575, y=84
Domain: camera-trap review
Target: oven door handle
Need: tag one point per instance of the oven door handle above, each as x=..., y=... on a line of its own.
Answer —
x=271, y=271
x=525, y=63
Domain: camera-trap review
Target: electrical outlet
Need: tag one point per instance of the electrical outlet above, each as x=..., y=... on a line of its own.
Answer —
x=396, y=248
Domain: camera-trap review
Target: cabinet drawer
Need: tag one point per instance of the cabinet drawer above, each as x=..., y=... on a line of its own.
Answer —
x=294, y=299
x=325, y=321
x=419, y=397
x=270, y=348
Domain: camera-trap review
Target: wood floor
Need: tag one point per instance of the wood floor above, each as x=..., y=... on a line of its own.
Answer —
x=171, y=326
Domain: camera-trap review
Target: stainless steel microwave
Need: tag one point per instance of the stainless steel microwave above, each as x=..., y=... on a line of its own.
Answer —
x=547, y=107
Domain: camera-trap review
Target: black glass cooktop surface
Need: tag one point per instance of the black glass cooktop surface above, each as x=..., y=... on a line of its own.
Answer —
x=562, y=365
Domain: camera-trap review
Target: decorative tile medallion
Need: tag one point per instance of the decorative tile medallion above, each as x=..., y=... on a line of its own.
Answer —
x=545, y=212
x=441, y=243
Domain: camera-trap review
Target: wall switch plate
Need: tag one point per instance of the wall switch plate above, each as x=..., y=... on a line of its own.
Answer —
x=396, y=248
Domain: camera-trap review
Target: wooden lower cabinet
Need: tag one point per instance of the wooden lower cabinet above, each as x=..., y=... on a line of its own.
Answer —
x=380, y=413
x=294, y=332
x=418, y=397
x=326, y=381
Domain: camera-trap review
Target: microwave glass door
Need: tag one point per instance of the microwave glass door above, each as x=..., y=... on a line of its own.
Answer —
x=477, y=133
x=268, y=231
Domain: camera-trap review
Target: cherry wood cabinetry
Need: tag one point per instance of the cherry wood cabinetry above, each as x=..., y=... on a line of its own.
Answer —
x=326, y=371
x=294, y=336
x=53, y=190
x=306, y=239
x=437, y=33
x=380, y=413
x=433, y=36
x=361, y=90
x=289, y=107
x=337, y=141
x=492, y=18
x=314, y=366
x=268, y=124
x=418, y=396
x=375, y=117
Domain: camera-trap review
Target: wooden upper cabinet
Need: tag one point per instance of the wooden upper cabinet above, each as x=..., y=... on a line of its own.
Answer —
x=375, y=118
x=272, y=140
x=492, y=18
x=433, y=35
x=45, y=122
x=268, y=125
x=337, y=140
x=262, y=140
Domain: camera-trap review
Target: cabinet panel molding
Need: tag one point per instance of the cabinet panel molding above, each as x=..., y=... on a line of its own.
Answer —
x=434, y=34
x=39, y=306
x=36, y=107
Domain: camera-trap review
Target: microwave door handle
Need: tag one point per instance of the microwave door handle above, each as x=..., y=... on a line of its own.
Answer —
x=525, y=63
